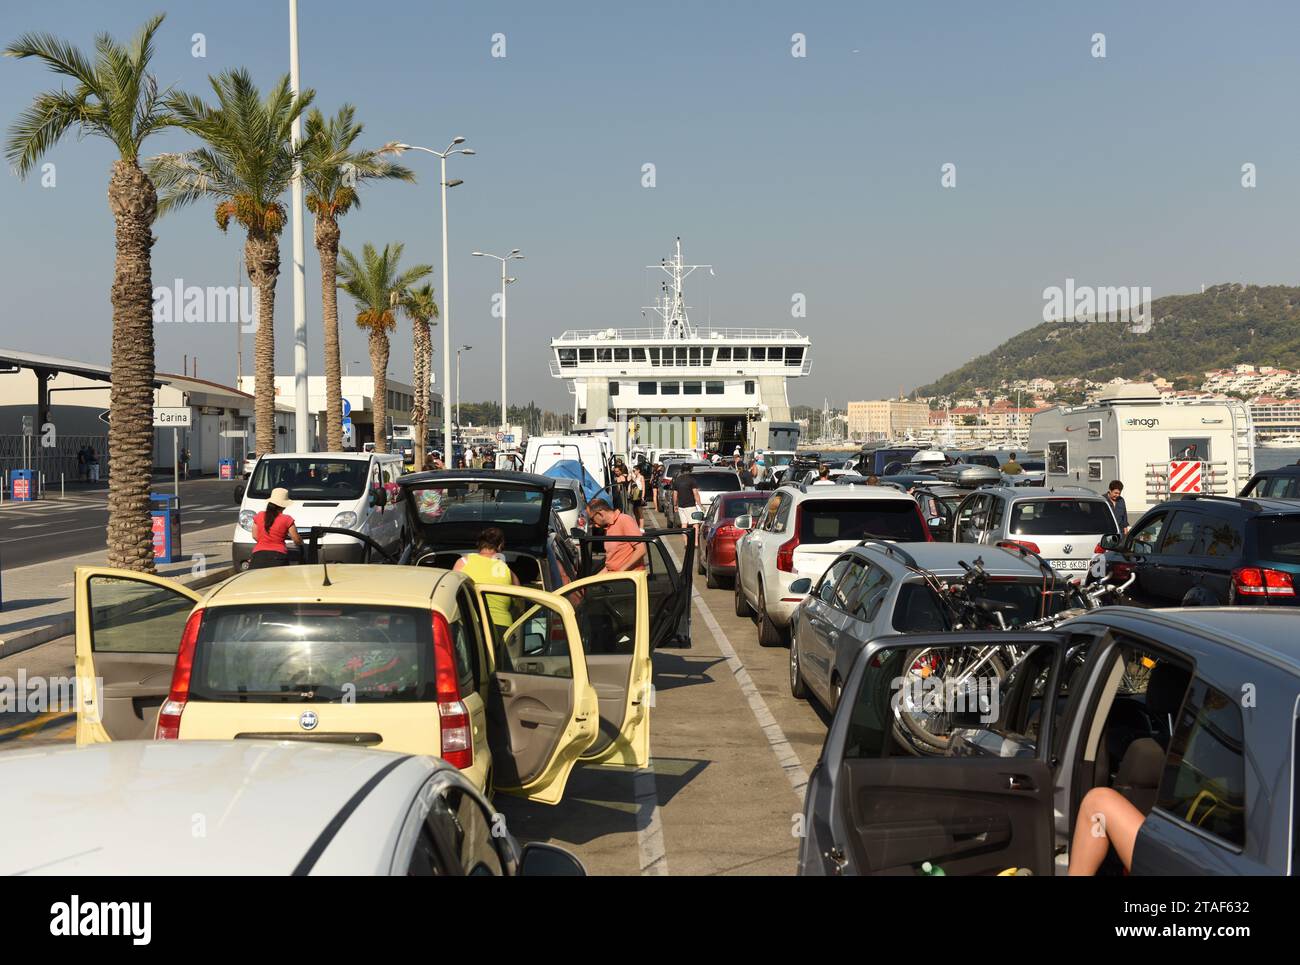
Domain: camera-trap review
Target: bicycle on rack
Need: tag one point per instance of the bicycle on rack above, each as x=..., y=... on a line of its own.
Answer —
x=923, y=720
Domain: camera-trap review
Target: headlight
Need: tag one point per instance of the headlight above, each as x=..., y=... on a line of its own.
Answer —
x=246, y=520
x=345, y=520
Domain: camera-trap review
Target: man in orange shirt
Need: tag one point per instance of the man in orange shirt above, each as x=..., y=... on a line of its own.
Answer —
x=619, y=556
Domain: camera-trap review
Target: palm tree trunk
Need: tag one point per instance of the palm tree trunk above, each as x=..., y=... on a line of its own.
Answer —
x=379, y=369
x=134, y=203
x=262, y=259
x=327, y=243
x=420, y=411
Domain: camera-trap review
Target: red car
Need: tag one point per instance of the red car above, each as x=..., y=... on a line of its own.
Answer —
x=717, y=555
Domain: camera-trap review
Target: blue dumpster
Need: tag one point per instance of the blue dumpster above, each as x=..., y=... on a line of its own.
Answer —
x=22, y=485
x=166, y=525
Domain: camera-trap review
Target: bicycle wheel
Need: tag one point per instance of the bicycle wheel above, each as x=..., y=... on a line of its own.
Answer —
x=922, y=701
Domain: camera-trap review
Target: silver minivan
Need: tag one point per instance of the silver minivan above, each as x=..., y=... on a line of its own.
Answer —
x=1064, y=525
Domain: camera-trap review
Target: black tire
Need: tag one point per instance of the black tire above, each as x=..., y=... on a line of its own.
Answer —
x=711, y=579
x=769, y=634
x=798, y=689
x=741, y=604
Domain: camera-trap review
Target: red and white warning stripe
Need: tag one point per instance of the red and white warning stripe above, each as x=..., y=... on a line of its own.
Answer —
x=1185, y=476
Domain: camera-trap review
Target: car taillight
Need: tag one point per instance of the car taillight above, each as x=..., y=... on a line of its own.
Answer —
x=457, y=738
x=169, y=715
x=785, y=554
x=1261, y=581
x=1007, y=544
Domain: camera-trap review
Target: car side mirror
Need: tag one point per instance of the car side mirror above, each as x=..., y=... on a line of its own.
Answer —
x=239, y=494
x=546, y=860
x=1112, y=541
x=936, y=522
x=577, y=532
x=744, y=523
x=801, y=585
x=698, y=517
x=378, y=496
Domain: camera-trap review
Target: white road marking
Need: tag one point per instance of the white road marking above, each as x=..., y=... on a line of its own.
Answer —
x=776, y=739
x=649, y=822
x=79, y=529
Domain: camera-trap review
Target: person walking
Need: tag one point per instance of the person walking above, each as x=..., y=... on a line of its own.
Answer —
x=92, y=463
x=81, y=464
x=686, y=499
x=185, y=463
x=620, y=556
x=636, y=492
x=271, y=527
x=1114, y=493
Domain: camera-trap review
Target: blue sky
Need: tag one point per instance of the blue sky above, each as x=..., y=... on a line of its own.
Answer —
x=817, y=175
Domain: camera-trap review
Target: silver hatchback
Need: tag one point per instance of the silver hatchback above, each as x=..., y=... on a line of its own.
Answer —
x=1064, y=525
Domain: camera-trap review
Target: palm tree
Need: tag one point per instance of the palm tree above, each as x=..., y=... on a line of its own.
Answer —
x=246, y=164
x=331, y=171
x=116, y=98
x=420, y=307
x=379, y=289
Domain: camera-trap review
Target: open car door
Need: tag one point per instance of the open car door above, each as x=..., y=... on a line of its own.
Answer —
x=613, y=613
x=947, y=755
x=668, y=586
x=128, y=630
x=542, y=712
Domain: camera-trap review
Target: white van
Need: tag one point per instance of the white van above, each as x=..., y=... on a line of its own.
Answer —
x=339, y=489
x=590, y=451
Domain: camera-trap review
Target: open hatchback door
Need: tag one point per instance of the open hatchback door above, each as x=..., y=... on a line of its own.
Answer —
x=128, y=630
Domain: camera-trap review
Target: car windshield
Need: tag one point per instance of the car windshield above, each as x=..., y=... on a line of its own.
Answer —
x=743, y=505
x=778, y=460
x=337, y=653
x=459, y=501
x=832, y=520
x=308, y=478
x=717, y=482
x=919, y=611
x=1062, y=517
x=1278, y=539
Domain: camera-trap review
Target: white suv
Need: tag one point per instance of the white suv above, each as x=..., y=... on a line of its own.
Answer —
x=800, y=532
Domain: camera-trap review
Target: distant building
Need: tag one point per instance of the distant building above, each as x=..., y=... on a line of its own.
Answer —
x=886, y=418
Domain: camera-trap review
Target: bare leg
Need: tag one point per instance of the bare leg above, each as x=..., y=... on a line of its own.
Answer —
x=1105, y=818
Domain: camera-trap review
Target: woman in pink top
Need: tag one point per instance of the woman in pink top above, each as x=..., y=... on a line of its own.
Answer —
x=271, y=527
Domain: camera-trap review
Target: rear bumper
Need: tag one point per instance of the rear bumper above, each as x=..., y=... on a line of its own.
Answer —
x=722, y=555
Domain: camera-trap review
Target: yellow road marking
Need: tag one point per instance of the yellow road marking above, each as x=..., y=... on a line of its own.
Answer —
x=35, y=725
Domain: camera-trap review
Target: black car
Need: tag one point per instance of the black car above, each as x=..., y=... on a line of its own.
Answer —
x=1147, y=702
x=1211, y=551
x=1280, y=483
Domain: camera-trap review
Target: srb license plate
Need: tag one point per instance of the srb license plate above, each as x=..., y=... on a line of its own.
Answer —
x=1069, y=564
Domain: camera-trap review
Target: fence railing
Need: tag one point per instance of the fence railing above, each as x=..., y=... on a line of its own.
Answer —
x=50, y=461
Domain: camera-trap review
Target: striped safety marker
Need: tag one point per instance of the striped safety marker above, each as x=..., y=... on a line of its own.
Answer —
x=1185, y=476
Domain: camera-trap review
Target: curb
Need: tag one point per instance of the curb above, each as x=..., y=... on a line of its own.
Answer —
x=63, y=623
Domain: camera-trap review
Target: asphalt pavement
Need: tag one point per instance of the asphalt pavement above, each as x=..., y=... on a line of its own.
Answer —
x=58, y=527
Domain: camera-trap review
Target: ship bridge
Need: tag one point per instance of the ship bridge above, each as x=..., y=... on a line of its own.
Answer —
x=675, y=384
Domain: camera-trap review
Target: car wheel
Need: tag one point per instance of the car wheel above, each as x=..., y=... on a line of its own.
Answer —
x=741, y=604
x=710, y=579
x=798, y=689
x=769, y=635
x=699, y=563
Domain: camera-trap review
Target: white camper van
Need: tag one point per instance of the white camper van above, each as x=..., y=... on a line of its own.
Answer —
x=593, y=452
x=348, y=490
x=1134, y=435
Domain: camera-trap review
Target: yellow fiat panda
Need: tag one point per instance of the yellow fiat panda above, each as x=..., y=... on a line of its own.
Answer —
x=511, y=684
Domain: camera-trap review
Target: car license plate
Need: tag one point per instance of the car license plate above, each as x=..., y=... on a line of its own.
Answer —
x=1069, y=564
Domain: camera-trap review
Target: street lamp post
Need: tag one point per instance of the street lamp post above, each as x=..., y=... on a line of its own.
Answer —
x=513, y=256
x=300, y=413
x=446, y=284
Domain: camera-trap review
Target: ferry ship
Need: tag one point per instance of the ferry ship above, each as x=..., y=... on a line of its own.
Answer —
x=677, y=385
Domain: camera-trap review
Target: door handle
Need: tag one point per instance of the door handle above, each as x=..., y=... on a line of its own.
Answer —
x=506, y=687
x=1020, y=782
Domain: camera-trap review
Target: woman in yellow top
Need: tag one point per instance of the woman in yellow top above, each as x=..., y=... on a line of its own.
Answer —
x=488, y=566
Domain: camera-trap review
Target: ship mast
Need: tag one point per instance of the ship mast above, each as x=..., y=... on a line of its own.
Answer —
x=671, y=306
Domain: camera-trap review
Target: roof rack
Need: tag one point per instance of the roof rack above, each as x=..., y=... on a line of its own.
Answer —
x=890, y=549
x=1248, y=504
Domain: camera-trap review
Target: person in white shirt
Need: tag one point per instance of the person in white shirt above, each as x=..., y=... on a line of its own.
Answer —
x=824, y=477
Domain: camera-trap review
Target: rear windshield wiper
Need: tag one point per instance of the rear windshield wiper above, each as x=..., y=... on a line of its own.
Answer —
x=304, y=692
